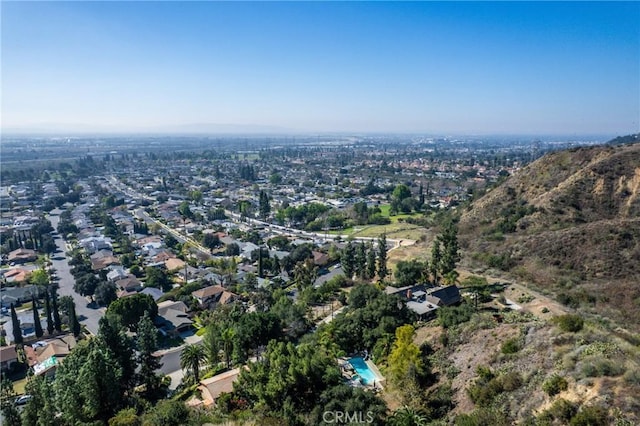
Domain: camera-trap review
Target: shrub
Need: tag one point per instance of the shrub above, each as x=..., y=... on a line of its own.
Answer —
x=484, y=372
x=569, y=323
x=525, y=298
x=602, y=367
x=453, y=315
x=511, y=381
x=632, y=377
x=590, y=416
x=545, y=310
x=482, y=416
x=488, y=386
x=563, y=410
x=554, y=385
x=511, y=346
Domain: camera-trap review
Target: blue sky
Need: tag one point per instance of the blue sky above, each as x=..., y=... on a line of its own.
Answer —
x=474, y=67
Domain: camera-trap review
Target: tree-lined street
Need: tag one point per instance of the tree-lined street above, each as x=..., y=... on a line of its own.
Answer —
x=88, y=316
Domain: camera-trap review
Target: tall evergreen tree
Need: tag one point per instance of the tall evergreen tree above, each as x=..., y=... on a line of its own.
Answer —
x=211, y=344
x=57, y=324
x=371, y=261
x=15, y=323
x=450, y=252
x=87, y=384
x=361, y=260
x=436, y=258
x=264, y=205
x=47, y=309
x=260, y=263
x=347, y=259
x=7, y=406
x=36, y=318
x=275, y=265
x=147, y=344
x=74, y=324
x=382, y=257
x=121, y=345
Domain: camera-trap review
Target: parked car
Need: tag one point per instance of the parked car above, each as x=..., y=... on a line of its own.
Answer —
x=22, y=400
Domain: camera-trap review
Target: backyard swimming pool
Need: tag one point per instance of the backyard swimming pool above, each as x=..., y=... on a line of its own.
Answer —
x=363, y=370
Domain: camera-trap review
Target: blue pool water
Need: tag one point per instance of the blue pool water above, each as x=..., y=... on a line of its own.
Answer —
x=363, y=370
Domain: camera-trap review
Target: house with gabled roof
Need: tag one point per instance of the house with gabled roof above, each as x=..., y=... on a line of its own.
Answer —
x=8, y=357
x=173, y=264
x=130, y=284
x=22, y=255
x=213, y=295
x=173, y=317
x=425, y=301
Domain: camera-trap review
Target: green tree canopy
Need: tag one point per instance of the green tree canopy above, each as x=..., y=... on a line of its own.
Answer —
x=87, y=384
x=343, y=398
x=130, y=309
x=114, y=337
x=157, y=278
x=400, y=192
x=289, y=380
x=409, y=272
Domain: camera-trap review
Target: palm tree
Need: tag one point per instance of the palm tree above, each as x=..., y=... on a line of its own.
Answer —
x=406, y=416
x=191, y=359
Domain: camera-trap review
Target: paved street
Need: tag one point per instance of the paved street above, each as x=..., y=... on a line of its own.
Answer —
x=170, y=359
x=88, y=317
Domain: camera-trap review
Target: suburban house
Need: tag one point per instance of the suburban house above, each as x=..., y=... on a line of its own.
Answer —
x=191, y=273
x=22, y=256
x=17, y=275
x=444, y=296
x=425, y=301
x=116, y=273
x=17, y=295
x=129, y=284
x=51, y=353
x=213, y=387
x=319, y=258
x=172, y=317
x=94, y=244
x=173, y=264
x=8, y=357
x=156, y=293
x=212, y=296
x=102, y=259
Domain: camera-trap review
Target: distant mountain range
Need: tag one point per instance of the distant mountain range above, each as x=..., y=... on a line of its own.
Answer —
x=569, y=222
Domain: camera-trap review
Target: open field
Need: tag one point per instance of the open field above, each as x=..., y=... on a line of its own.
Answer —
x=397, y=229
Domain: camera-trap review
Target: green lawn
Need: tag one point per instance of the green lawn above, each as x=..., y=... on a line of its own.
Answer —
x=396, y=229
x=19, y=385
x=385, y=209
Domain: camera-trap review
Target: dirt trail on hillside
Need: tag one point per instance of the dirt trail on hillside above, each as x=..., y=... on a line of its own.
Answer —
x=520, y=293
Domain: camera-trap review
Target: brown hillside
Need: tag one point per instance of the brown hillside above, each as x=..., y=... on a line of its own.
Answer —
x=568, y=188
x=569, y=221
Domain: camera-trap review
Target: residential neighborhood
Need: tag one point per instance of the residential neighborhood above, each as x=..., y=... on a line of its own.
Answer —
x=219, y=263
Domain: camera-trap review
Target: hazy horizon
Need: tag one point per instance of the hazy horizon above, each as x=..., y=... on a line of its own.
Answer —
x=296, y=68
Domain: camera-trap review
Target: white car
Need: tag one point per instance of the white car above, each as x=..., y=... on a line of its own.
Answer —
x=22, y=400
